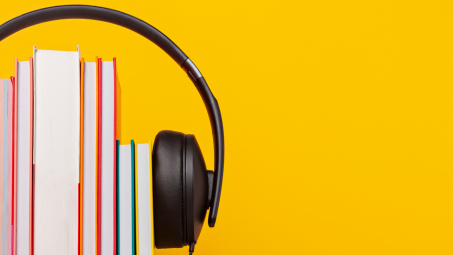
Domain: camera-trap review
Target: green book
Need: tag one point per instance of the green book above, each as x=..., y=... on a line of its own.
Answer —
x=134, y=204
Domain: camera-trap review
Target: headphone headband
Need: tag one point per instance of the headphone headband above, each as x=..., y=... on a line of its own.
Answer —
x=146, y=30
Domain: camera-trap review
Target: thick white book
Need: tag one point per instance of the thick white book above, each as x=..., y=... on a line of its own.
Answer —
x=108, y=158
x=24, y=166
x=89, y=159
x=144, y=222
x=125, y=176
x=56, y=151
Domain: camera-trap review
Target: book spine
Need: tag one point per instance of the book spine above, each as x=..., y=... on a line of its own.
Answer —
x=134, y=248
x=30, y=217
x=2, y=178
x=98, y=157
x=114, y=163
x=82, y=71
x=117, y=199
x=14, y=185
x=5, y=169
x=9, y=236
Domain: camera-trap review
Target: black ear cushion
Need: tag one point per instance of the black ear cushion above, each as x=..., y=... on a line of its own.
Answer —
x=167, y=161
x=196, y=189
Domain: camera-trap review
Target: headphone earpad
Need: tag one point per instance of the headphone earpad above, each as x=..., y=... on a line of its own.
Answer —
x=167, y=161
x=180, y=189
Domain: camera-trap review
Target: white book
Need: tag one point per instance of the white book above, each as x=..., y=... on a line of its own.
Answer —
x=56, y=151
x=23, y=156
x=108, y=159
x=89, y=159
x=145, y=237
x=125, y=200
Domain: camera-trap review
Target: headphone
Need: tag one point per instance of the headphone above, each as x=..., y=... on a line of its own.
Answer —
x=183, y=190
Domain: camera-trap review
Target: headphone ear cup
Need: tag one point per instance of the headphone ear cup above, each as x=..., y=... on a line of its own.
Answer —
x=167, y=162
x=180, y=189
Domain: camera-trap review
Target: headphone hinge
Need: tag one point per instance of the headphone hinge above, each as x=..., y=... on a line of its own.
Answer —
x=191, y=70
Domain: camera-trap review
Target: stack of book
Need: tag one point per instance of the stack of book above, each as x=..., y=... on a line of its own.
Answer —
x=67, y=185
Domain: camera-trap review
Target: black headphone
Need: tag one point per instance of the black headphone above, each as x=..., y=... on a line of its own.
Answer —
x=183, y=190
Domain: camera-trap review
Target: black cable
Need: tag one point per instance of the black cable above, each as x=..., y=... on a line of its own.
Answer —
x=191, y=248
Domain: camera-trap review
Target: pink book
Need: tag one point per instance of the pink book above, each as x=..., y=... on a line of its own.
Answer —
x=14, y=170
x=9, y=205
x=115, y=188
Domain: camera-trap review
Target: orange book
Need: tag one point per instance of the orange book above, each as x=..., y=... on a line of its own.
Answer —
x=31, y=166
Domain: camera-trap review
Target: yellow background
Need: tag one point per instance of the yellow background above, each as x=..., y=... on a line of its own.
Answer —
x=337, y=114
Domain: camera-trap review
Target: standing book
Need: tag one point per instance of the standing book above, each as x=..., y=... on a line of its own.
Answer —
x=56, y=152
x=134, y=198
x=125, y=199
x=88, y=171
x=144, y=205
x=4, y=165
x=10, y=168
x=24, y=87
x=107, y=157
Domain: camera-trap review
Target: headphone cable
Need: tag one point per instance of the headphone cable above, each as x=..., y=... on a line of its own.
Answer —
x=191, y=248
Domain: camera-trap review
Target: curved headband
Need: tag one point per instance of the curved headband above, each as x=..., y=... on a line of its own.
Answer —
x=155, y=36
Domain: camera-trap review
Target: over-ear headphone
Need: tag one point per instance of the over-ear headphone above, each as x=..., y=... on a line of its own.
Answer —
x=183, y=190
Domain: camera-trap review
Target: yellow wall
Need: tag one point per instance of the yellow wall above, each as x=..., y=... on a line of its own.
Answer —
x=338, y=114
